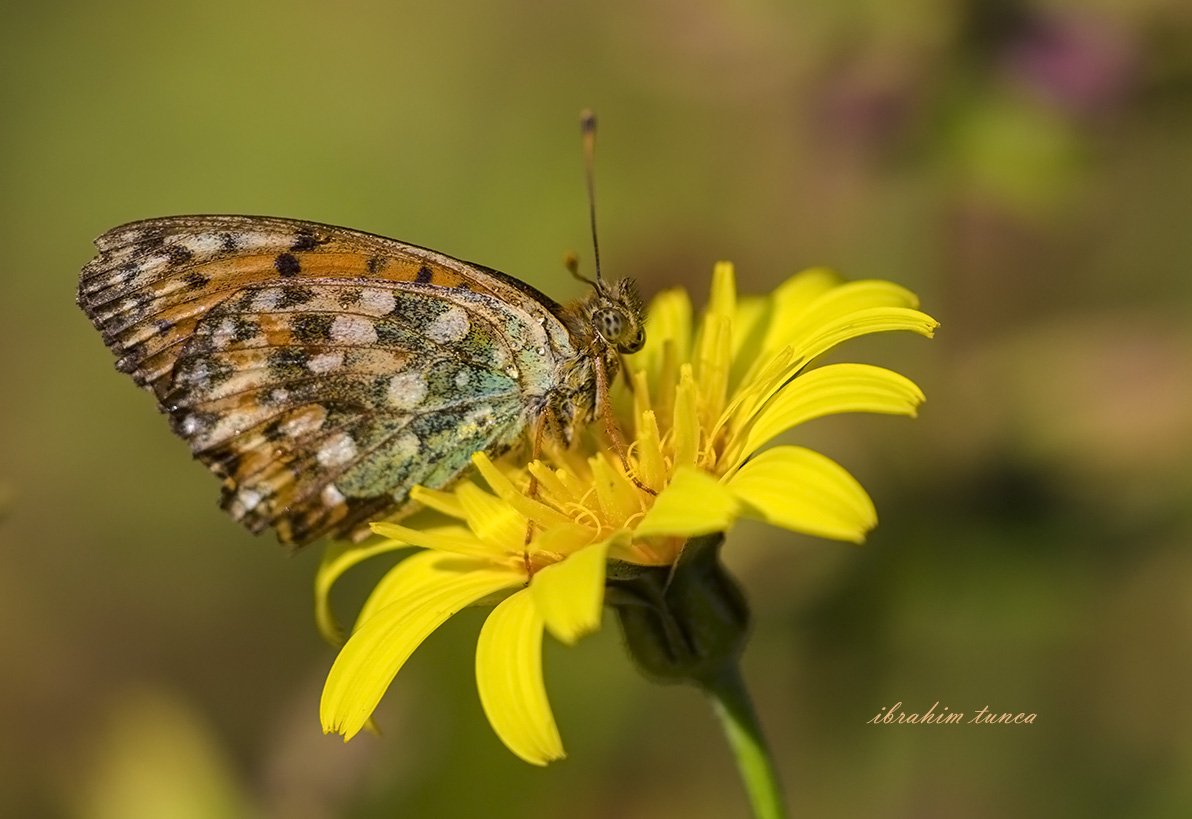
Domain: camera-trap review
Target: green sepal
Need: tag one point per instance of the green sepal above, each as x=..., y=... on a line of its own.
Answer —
x=684, y=624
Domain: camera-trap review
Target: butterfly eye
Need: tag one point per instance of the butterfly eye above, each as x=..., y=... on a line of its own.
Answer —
x=619, y=330
x=610, y=323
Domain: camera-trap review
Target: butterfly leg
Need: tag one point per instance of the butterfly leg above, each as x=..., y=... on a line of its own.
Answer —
x=604, y=406
x=539, y=432
x=622, y=367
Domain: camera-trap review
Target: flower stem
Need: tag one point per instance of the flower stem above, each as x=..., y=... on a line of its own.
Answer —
x=732, y=704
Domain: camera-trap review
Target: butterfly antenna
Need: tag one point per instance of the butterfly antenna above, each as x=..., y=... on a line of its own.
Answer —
x=587, y=124
x=571, y=262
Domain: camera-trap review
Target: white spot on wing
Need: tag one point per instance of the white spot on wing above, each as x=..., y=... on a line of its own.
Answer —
x=261, y=240
x=331, y=496
x=450, y=326
x=248, y=498
x=154, y=262
x=198, y=373
x=377, y=302
x=307, y=421
x=337, y=450
x=266, y=300
x=202, y=243
x=407, y=389
x=326, y=362
x=225, y=331
x=350, y=329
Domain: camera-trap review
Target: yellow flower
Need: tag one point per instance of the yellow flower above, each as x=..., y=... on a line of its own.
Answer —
x=701, y=401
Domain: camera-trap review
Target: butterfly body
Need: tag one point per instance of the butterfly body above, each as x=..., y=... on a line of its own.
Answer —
x=322, y=372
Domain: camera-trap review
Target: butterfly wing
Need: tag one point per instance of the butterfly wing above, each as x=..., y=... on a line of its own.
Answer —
x=321, y=371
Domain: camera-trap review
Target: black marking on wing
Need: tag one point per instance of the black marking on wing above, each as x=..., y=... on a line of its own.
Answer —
x=160, y=291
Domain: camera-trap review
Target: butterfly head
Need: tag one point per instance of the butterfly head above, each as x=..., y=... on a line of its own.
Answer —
x=617, y=315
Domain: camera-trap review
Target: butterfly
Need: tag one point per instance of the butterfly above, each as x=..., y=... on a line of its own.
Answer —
x=322, y=372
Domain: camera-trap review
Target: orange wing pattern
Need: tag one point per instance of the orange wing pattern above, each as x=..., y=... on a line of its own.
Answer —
x=321, y=371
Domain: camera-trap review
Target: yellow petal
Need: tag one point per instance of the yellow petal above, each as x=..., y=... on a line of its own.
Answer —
x=440, y=501
x=793, y=298
x=712, y=368
x=824, y=337
x=713, y=357
x=495, y=522
x=804, y=491
x=573, y=459
x=373, y=655
x=338, y=558
x=843, y=300
x=685, y=427
x=752, y=311
x=535, y=510
x=832, y=389
x=722, y=301
x=667, y=320
x=422, y=570
x=651, y=463
x=509, y=678
x=549, y=484
x=666, y=380
x=693, y=503
x=858, y=295
x=577, y=485
x=641, y=394
x=558, y=542
x=570, y=594
x=457, y=539
x=750, y=327
x=767, y=376
x=616, y=494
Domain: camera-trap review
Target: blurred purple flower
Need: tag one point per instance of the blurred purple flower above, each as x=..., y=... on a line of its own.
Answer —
x=1079, y=64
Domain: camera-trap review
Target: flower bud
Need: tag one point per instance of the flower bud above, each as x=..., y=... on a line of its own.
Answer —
x=685, y=624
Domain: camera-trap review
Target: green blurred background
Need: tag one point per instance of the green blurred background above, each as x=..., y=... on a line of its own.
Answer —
x=1026, y=167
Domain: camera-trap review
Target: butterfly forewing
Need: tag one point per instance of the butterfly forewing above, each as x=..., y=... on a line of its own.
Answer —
x=322, y=372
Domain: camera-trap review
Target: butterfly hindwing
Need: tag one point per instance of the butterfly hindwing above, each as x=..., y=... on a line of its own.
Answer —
x=320, y=371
